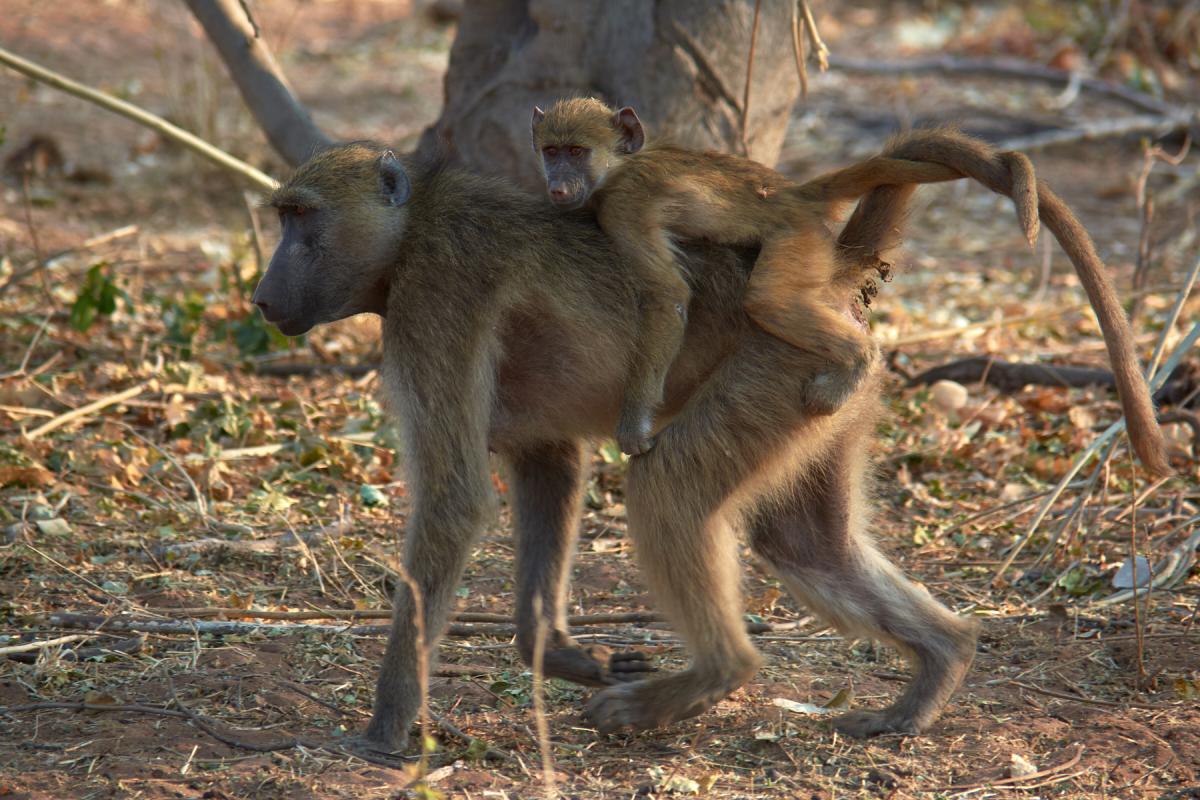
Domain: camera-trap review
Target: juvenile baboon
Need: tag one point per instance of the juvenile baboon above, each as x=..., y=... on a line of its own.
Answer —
x=510, y=327
x=647, y=195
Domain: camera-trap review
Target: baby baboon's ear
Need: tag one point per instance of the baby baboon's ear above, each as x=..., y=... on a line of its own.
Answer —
x=633, y=135
x=393, y=180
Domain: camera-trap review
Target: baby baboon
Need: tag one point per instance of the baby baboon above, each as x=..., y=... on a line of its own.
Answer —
x=646, y=196
x=510, y=327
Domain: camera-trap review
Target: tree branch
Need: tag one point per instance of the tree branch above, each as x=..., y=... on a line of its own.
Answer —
x=286, y=122
x=1013, y=68
x=138, y=115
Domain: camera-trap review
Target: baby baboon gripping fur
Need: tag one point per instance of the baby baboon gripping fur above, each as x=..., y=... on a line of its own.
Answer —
x=645, y=196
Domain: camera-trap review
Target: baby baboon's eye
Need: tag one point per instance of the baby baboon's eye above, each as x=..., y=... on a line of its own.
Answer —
x=576, y=151
x=550, y=152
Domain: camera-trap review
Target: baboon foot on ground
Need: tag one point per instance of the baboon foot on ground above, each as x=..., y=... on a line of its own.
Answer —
x=861, y=724
x=655, y=703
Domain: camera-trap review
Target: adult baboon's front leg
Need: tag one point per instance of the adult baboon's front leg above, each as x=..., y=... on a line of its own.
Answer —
x=547, y=482
x=446, y=443
x=435, y=555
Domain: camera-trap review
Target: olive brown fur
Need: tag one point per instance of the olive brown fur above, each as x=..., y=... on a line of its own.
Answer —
x=509, y=327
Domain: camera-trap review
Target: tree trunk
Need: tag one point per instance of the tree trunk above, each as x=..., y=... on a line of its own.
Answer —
x=680, y=63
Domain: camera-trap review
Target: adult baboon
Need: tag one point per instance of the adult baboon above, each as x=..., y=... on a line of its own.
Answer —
x=509, y=326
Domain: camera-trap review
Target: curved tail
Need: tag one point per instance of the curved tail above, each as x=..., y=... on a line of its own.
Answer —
x=875, y=227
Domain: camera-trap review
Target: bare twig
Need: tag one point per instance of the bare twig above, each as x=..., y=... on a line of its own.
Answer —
x=356, y=614
x=749, y=77
x=820, y=51
x=1094, y=130
x=206, y=726
x=798, y=52
x=1012, y=68
x=115, y=708
x=1023, y=779
x=32, y=646
x=138, y=115
x=1156, y=381
x=549, y=783
x=83, y=411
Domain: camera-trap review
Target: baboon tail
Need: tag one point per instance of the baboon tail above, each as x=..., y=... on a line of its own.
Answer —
x=875, y=228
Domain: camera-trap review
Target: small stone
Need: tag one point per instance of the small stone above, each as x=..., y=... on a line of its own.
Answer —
x=948, y=396
x=53, y=527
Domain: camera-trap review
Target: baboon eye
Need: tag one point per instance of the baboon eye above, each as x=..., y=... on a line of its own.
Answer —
x=576, y=151
x=550, y=152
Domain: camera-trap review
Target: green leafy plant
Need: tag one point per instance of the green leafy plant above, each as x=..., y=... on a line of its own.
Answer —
x=97, y=297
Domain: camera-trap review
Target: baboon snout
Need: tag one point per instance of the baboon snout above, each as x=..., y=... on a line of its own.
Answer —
x=560, y=192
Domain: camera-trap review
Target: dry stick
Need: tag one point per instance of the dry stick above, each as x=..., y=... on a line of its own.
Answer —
x=31, y=646
x=53, y=258
x=1092, y=701
x=749, y=75
x=1137, y=612
x=341, y=613
x=232, y=741
x=1011, y=68
x=83, y=411
x=1156, y=383
x=140, y=116
x=549, y=783
x=116, y=708
x=1019, y=781
x=33, y=343
x=418, y=620
x=798, y=52
x=1092, y=131
x=820, y=51
x=1181, y=298
x=96, y=622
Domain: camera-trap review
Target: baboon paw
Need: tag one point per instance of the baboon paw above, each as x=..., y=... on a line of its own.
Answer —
x=861, y=724
x=627, y=666
x=619, y=708
x=597, y=665
x=633, y=434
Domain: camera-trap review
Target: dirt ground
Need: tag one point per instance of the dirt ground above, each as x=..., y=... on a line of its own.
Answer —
x=223, y=482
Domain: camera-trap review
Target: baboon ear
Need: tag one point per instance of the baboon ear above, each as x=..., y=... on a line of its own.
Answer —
x=633, y=136
x=538, y=116
x=393, y=180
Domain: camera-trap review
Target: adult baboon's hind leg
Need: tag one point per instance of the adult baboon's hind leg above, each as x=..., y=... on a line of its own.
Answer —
x=547, y=483
x=813, y=539
x=745, y=419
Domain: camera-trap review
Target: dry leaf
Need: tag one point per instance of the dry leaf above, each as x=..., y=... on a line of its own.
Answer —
x=29, y=477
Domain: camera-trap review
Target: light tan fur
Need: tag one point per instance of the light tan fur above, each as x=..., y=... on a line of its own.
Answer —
x=647, y=195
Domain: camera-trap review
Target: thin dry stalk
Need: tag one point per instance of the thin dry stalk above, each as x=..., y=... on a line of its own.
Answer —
x=29, y=647
x=1137, y=612
x=549, y=779
x=749, y=77
x=427, y=741
x=820, y=51
x=138, y=115
x=1156, y=382
x=83, y=411
x=798, y=51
